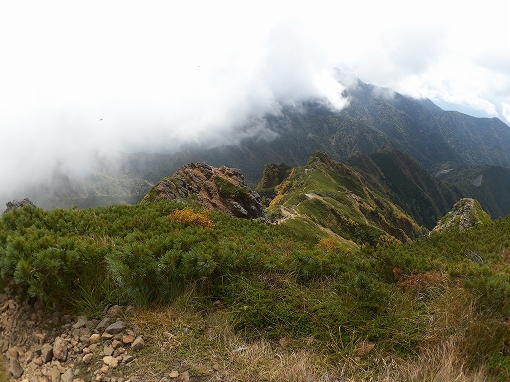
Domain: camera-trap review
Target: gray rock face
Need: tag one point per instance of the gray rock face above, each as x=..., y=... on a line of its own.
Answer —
x=15, y=204
x=47, y=353
x=116, y=327
x=465, y=214
x=15, y=368
x=220, y=188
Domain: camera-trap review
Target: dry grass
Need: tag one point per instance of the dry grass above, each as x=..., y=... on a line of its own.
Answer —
x=202, y=341
x=3, y=371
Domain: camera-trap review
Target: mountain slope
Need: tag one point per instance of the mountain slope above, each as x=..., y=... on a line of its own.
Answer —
x=373, y=118
x=326, y=197
x=407, y=184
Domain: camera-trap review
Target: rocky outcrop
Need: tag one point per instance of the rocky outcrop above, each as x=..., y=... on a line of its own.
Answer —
x=15, y=204
x=221, y=188
x=465, y=214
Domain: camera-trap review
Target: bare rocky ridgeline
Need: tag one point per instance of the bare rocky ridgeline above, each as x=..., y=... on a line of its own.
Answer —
x=57, y=347
x=465, y=214
x=220, y=188
x=16, y=204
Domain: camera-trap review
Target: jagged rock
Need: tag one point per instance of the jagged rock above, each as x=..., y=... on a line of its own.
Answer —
x=46, y=353
x=87, y=358
x=55, y=375
x=127, y=339
x=94, y=338
x=137, y=344
x=111, y=361
x=104, y=323
x=221, y=188
x=80, y=323
x=114, y=311
x=465, y=214
x=68, y=376
x=108, y=350
x=15, y=204
x=15, y=368
x=116, y=327
x=60, y=349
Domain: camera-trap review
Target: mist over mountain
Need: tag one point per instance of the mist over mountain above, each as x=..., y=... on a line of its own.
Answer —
x=374, y=117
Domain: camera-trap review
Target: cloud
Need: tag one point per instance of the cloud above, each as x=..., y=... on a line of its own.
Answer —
x=160, y=74
x=506, y=110
x=413, y=49
x=123, y=88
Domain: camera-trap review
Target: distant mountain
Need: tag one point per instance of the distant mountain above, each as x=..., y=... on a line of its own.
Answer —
x=327, y=198
x=406, y=183
x=490, y=185
x=375, y=117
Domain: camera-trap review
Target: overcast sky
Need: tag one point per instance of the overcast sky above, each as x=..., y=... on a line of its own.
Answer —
x=84, y=77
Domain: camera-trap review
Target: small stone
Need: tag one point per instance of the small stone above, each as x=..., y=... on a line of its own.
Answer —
x=94, y=338
x=118, y=352
x=68, y=376
x=114, y=311
x=116, y=344
x=87, y=358
x=104, y=369
x=66, y=319
x=111, y=361
x=107, y=336
x=184, y=376
x=15, y=368
x=216, y=367
x=127, y=358
x=56, y=318
x=28, y=356
x=116, y=327
x=174, y=374
x=39, y=338
x=108, y=350
x=127, y=339
x=138, y=343
x=104, y=323
x=82, y=320
x=12, y=354
x=46, y=353
x=60, y=349
x=55, y=375
x=38, y=361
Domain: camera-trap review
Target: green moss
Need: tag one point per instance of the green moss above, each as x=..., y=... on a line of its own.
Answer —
x=228, y=189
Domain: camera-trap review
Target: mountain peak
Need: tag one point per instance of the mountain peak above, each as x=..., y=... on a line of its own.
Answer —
x=220, y=188
x=465, y=214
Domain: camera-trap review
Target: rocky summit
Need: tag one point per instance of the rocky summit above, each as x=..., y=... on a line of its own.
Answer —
x=466, y=213
x=16, y=204
x=220, y=188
